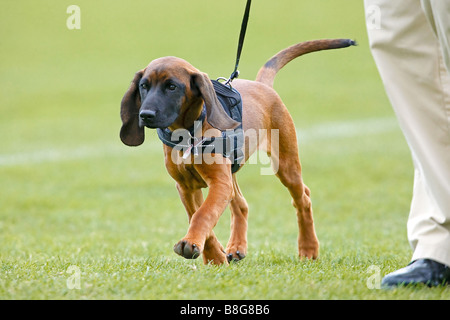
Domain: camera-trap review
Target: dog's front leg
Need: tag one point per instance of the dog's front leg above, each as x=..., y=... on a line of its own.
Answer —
x=200, y=237
x=213, y=251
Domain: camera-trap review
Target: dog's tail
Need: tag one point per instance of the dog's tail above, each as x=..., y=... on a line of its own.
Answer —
x=267, y=73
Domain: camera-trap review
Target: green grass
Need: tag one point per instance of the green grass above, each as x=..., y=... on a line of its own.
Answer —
x=72, y=195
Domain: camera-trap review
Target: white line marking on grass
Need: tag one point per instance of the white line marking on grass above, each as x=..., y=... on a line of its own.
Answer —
x=347, y=129
x=68, y=154
x=52, y=155
x=323, y=131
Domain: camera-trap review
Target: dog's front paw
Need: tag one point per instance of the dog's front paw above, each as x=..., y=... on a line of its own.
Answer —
x=309, y=251
x=187, y=249
x=236, y=251
x=235, y=256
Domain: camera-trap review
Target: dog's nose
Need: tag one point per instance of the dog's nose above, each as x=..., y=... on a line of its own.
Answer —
x=147, y=115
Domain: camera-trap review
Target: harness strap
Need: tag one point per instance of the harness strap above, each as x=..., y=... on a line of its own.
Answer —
x=229, y=144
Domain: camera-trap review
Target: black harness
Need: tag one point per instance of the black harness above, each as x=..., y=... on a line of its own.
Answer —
x=230, y=144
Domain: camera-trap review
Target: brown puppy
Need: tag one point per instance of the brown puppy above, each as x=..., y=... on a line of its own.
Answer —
x=170, y=93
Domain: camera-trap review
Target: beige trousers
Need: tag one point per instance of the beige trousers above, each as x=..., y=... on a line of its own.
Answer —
x=409, y=40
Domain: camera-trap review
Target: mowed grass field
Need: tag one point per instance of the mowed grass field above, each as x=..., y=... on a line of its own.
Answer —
x=76, y=204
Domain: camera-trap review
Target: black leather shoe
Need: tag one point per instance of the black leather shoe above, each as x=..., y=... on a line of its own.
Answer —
x=421, y=271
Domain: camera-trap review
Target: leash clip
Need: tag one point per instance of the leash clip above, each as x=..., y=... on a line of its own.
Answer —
x=233, y=76
x=225, y=81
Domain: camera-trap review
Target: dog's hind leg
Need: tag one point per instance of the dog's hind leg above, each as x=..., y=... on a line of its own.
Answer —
x=287, y=167
x=237, y=244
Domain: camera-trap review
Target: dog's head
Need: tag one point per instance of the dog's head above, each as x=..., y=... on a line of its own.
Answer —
x=169, y=92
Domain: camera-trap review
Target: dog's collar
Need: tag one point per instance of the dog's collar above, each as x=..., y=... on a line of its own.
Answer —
x=229, y=144
x=167, y=136
x=191, y=140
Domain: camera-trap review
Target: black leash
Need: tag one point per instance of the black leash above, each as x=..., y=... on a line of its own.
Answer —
x=235, y=73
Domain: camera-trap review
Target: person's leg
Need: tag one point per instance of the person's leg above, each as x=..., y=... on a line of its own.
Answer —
x=437, y=12
x=429, y=223
x=409, y=59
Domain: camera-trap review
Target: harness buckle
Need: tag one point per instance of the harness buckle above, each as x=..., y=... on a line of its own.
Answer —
x=195, y=146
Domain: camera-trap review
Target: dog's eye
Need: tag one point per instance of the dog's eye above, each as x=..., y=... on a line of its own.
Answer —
x=144, y=86
x=171, y=87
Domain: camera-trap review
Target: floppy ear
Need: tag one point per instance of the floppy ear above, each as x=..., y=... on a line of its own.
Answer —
x=131, y=133
x=215, y=115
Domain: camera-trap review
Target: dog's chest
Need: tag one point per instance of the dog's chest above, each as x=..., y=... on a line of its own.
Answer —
x=186, y=175
x=192, y=178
